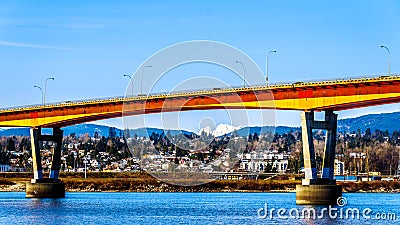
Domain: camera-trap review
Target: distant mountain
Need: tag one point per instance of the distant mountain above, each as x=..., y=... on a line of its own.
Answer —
x=15, y=132
x=141, y=132
x=285, y=129
x=79, y=129
x=279, y=130
x=207, y=130
x=384, y=121
x=223, y=129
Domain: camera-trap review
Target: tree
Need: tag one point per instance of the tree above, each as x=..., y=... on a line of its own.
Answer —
x=268, y=168
x=127, y=133
x=368, y=133
x=358, y=135
x=5, y=158
x=395, y=136
x=24, y=145
x=10, y=146
x=255, y=136
x=111, y=132
x=386, y=133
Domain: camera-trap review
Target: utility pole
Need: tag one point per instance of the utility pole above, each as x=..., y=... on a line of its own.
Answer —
x=85, y=161
x=141, y=79
x=36, y=86
x=45, y=88
x=130, y=83
x=266, y=65
x=244, y=73
x=398, y=168
x=367, y=164
x=387, y=49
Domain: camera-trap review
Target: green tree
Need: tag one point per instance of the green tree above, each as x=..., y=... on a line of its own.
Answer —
x=112, y=133
x=368, y=133
x=10, y=146
x=127, y=133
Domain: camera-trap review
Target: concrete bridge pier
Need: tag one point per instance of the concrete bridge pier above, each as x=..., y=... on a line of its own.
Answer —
x=41, y=187
x=315, y=190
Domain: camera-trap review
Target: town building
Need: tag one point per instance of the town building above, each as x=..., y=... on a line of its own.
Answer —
x=266, y=161
x=338, y=167
x=5, y=168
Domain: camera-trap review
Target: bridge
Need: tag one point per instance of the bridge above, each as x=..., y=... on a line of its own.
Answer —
x=335, y=95
x=307, y=97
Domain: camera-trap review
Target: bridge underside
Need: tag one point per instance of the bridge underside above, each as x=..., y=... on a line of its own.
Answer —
x=69, y=115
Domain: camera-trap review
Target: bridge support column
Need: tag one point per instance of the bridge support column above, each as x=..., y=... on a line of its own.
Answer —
x=314, y=190
x=56, y=159
x=40, y=187
x=310, y=166
x=35, y=145
x=330, y=146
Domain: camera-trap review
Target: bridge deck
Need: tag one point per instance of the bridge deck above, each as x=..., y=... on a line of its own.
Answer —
x=332, y=95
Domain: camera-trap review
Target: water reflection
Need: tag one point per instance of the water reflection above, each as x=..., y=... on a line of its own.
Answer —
x=34, y=203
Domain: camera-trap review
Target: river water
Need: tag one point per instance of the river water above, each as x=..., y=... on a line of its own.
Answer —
x=194, y=208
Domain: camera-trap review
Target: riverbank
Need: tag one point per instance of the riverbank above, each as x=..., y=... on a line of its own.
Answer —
x=142, y=182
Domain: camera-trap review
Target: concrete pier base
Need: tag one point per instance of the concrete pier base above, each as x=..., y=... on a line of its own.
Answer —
x=316, y=190
x=41, y=187
x=318, y=194
x=45, y=188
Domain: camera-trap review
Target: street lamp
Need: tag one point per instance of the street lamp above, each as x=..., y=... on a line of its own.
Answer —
x=45, y=88
x=41, y=91
x=387, y=49
x=244, y=73
x=130, y=82
x=266, y=65
x=85, y=161
x=75, y=156
x=141, y=80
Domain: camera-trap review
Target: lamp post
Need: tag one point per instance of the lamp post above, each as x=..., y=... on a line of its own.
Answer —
x=45, y=88
x=85, y=161
x=130, y=82
x=387, y=49
x=41, y=91
x=244, y=73
x=141, y=80
x=266, y=65
x=75, y=156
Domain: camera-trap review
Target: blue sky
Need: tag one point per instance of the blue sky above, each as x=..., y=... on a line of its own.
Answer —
x=88, y=45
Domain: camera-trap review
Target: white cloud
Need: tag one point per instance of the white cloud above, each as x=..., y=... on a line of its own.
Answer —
x=79, y=26
x=26, y=45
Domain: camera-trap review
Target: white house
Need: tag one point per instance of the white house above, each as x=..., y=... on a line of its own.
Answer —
x=258, y=162
x=338, y=168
